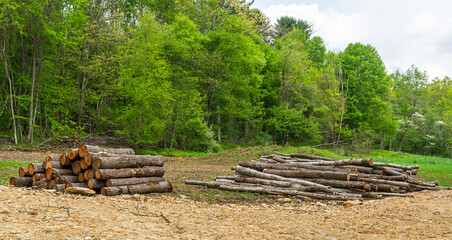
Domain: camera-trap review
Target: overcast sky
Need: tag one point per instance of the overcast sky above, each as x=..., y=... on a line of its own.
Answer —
x=404, y=32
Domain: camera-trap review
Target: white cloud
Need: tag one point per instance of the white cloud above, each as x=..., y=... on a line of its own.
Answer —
x=403, y=32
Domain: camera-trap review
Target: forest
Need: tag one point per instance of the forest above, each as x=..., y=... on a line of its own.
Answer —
x=202, y=76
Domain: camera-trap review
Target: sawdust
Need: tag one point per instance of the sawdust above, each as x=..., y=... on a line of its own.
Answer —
x=30, y=214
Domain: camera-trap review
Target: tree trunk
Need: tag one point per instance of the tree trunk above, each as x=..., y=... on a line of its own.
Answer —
x=38, y=176
x=339, y=183
x=94, y=183
x=83, y=149
x=132, y=181
x=23, y=172
x=51, y=164
x=21, y=181
x=51, y=173
x=382, y=143
x=72, y=184
x=59, y=187
x=129, y=172
x=257, y=174
x=65, y=179
x=35, y=168
x=127, y=161
x=72, y=154
x=309, y=174
x=64, y=160
x=9, y=76
x=79, y=190
x=153, y=187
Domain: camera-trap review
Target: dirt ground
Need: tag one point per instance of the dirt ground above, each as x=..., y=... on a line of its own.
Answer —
x=44, y=214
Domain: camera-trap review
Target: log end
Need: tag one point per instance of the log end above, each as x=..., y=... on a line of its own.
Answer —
x=82, y=150
x=49, y=173
x=12, y=181
x=31, y=169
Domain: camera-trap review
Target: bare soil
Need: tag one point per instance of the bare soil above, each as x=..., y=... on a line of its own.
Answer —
x=193, y=212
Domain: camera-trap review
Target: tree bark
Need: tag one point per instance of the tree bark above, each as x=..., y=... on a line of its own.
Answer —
x=65, y=179
x=51, y=173
x=95, y=183
x=65, y=161
x=21, y=181
x=68, y=185
x=83, y=149
x=79, y=190
x=51, y=164
x=339, y=183
x=38, y=176
x=253, y=173
x=132, y=181
x=309, y=174
x=129, y=172
x=72, y=154
x=154, y=187
x=35, y=168
x=59, y=187
x=127, y=161
x=23, y=172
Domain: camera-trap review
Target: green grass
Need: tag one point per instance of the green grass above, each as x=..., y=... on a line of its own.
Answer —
x=9, y=169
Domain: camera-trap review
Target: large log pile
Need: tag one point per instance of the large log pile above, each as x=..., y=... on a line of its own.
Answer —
x=321, y=178
x=108, y=171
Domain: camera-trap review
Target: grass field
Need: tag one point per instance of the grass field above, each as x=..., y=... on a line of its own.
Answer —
x=181, y=166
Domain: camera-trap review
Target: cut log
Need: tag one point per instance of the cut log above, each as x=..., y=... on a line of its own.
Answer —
x=86, y=175
x=132, y=181
x=68, y=185
x=202, y=183
x=83, y=149
x=59, y=187
x=254, y=173
x=38, y=176
x=129, y=172
x=51, y=164
x=79, y=190
x=83, y=165
x=51, y=173
x=65, y=161
x=50, y=158
x=339, y=183
x=72, y=154
x=50, y=184
x=65, y=179
x=307, y=156
x=76, y=168
x=81, y=177
x=153, y=187
x=225, y=177
x=23, y=172
x=127, y=161
x=35, y=168
x=94, y=183
x=395, y=183
x=88, y=158
x=309, y=174
x=21, y=181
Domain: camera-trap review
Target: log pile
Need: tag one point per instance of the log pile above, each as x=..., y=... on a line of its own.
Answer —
x=321, y=178
x=104, y=170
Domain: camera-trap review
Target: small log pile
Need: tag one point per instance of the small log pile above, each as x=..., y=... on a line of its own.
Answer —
x=321, y=178
x=108, y=171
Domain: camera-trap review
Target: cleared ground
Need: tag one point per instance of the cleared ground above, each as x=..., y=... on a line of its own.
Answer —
x=192, y=212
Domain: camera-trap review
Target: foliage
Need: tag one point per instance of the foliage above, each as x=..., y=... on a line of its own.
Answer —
x=193, y=75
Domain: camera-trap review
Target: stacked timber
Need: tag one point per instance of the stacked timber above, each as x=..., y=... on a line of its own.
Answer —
x=105, y=170
x=321, y=178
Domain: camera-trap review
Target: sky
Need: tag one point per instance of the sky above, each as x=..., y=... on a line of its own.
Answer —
x=404, y=32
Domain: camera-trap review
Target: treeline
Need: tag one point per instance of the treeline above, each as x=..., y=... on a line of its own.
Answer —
x=194, y=74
